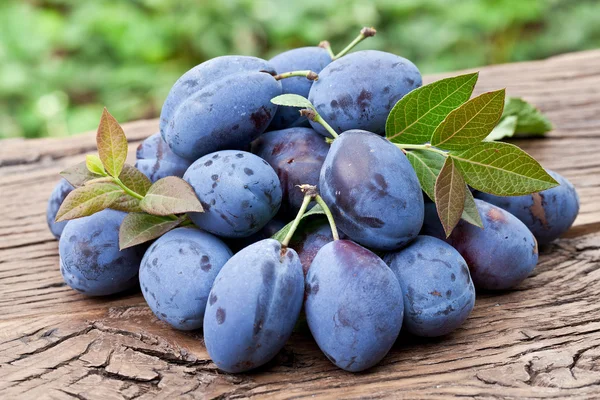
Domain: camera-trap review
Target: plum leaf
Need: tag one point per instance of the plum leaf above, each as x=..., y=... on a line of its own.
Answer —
x=292, y=100
x=94, y=165
x=282, y=233
x=450, y=195
x=530, y=120
x=78, y=174
x=138, y=228
x=502, y=169
x=88, y=200
x=170, y=195
x=135, y=180
x=112, y=144
x=427, y=166
x=470, y=123
x=471, y=213
x=506, y=128
x=126, y=203
x=415, y=117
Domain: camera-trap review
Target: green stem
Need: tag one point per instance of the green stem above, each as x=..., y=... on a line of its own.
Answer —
x=426, y=146
x=327, y=211
x=314, y=116
x=308, y=74
x=127, y=190
x=364, y=33
x=327, y=46
x=307, y=199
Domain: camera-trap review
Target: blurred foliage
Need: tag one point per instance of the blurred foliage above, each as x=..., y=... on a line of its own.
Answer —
x=61, y=61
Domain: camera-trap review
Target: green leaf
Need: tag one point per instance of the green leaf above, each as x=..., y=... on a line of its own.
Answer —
x=135, y=180
x=471, y=212
x=279, y=236
x=427, y=166
x=138, y=228
x=127, y=203
x=112, y=144
x=415, y=117
x=506, y=128
x=470, y=123
x=450, y=195
x=292, y=100
x=502, y=169
x=78, y=174
x=530, y=120
x=88, y=200
x=171, y=195
x=94, y=165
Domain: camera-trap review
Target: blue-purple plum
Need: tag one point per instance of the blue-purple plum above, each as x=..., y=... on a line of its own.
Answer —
x=353, y=305
x=253, y=306
x=359, y=90
x=547, y=214
x=499, y=256
x=177, y=273
x=311, y=235
x=296, y=154
x=156, y=160
x=438, y=292
x=239, y=192
x=223, y=103
x=271, y=228
x=90, y=259
x=372, y=191
x=61, y=190
x=303, y=58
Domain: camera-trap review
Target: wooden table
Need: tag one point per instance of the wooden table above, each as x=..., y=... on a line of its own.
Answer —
x=541, y=340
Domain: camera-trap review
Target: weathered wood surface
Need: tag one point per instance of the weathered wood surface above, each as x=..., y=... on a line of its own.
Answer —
x=541, y=340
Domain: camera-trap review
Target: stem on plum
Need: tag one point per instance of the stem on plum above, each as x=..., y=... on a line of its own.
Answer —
x=334, y=231
x=308, y=74
x=327, y=46
x=314, y=116
x=425, y=146
x=307, y=199
x=364, y=33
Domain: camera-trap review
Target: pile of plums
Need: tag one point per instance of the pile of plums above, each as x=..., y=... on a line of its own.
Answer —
x=244, y=156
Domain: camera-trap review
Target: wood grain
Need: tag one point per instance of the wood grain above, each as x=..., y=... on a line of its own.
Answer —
x=541, y=340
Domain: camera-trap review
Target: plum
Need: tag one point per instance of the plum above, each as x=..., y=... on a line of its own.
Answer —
x=271, y=228
x=177, y=273
x=303, y=58
x=547, y=214
x=359, y=90
x=239, y=192
x=438, y=292
x=61, y=190
x=296, y=154
x=253, y=306
x=156, y=160
x=90, y=259
x=353, y=306
x=499, y=256
x=223, y=103
x=309, y=238
x=372, y=191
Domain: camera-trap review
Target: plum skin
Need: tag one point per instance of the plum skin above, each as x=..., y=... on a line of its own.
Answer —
x=372, y=191
x=253, y=306
x=353, y=306
x=223, y=103
x=547, y=214
x=296, y=154
x=59, y=193
x=299, y=59
x=239, y=192
x=438, y=291
x=177, y=273
x=359, y=90
x=499, y=256
x=90, y=259
x=309, y=238
x=155, y=159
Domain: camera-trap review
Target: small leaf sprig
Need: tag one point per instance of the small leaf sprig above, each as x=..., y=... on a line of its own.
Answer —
x=448, y=137
x=105, y=181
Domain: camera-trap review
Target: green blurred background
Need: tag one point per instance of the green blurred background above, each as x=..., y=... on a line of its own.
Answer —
x=61, y=61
